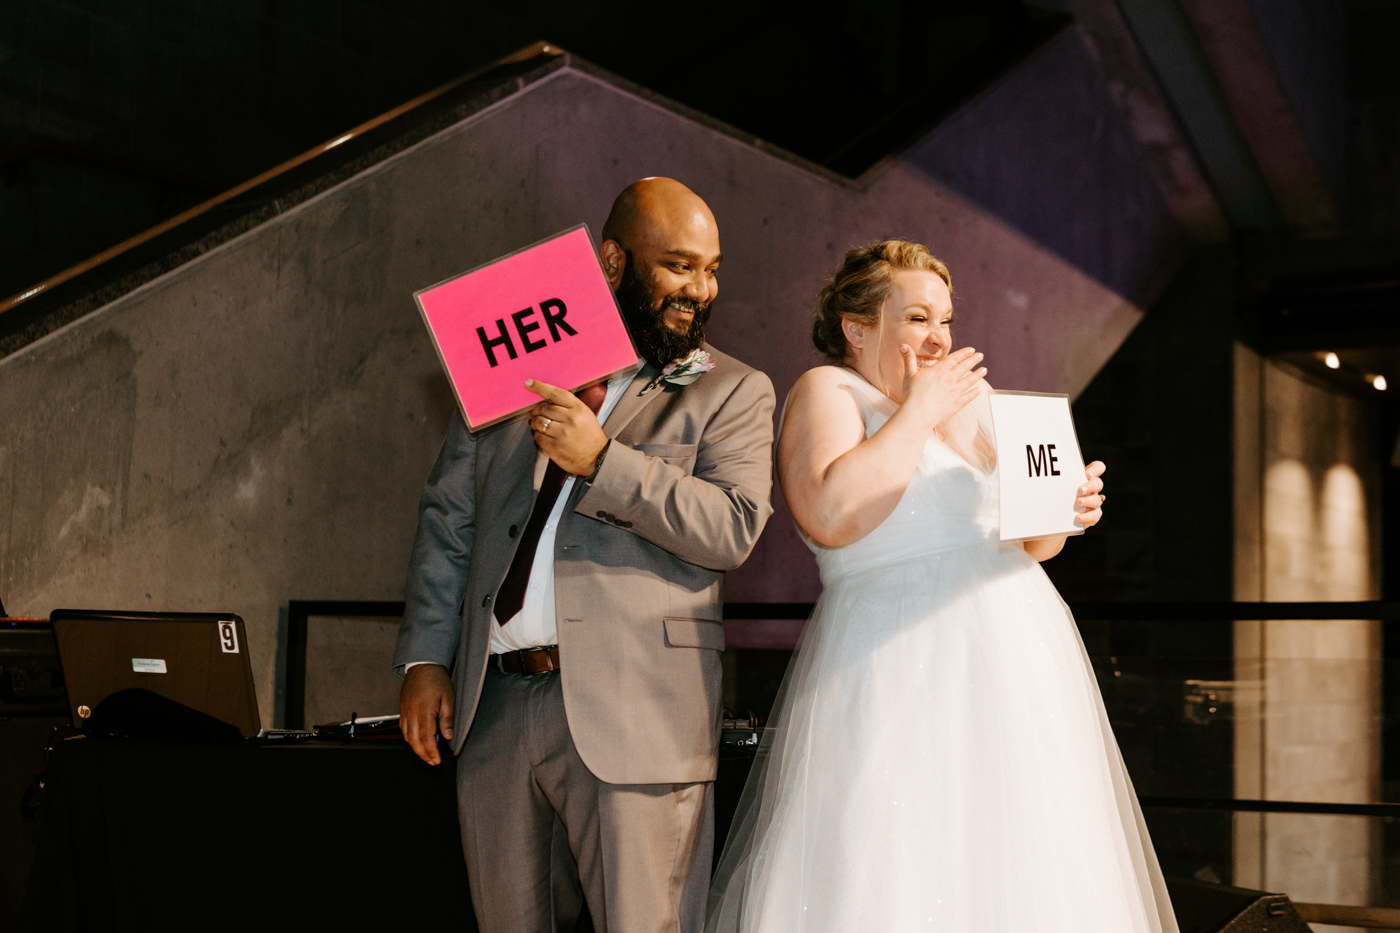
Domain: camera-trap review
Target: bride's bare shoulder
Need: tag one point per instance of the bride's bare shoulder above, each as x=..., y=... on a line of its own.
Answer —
x=827, y=372
x=822, y=382
x=822, y=399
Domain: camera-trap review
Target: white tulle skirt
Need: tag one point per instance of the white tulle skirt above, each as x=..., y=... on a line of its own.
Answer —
x=940, y=760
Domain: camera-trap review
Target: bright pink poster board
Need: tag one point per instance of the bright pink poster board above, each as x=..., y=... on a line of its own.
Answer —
x=545, y=312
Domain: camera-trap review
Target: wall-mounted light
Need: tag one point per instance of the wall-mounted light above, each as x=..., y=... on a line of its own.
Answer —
x=1332, y=362
x=1378, y=382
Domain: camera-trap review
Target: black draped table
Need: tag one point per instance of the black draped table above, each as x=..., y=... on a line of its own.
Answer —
x=150, y=836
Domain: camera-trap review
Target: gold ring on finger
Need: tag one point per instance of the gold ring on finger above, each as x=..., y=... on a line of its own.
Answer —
x=547, y=423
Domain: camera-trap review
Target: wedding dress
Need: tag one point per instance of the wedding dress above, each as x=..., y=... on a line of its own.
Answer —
x=939, y=757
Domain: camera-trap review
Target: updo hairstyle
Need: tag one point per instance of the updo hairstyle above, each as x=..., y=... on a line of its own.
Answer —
x=860, y=287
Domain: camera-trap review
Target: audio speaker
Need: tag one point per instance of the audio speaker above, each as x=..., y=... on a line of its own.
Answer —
x=22, y=743
x=32, y=705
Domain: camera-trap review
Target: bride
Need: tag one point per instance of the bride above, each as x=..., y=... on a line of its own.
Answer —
x=939, y=757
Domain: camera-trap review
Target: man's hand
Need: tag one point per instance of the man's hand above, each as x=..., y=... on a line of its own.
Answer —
x=1091, y=497
x=566, y=430
x=425, y=709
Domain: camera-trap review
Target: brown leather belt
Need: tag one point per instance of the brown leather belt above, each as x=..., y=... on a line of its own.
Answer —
x=528, y=660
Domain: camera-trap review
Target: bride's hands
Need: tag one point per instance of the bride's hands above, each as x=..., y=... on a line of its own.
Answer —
x=940, y=391
x=1091, y=496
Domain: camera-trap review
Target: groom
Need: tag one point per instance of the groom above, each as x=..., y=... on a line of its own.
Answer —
x=562, y=625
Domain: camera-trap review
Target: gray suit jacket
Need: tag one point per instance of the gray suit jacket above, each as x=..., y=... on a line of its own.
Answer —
x=639, y=563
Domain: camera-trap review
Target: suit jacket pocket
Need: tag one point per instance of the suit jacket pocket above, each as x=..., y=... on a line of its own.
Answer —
x=694, y=633
x=679, y=454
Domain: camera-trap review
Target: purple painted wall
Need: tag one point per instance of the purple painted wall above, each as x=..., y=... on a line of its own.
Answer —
x=1048, y=151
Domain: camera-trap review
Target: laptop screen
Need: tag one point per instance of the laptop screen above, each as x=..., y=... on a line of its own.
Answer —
x=194, y=658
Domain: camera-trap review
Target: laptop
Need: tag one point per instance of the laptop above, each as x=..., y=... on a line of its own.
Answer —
x=199, y=659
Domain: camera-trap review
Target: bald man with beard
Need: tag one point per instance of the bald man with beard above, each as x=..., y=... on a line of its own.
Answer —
x=563, y=626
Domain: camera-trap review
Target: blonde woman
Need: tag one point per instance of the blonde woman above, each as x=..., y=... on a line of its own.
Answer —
x=939, y=758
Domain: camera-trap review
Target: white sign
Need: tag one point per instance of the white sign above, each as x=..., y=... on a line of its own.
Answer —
x=148, y=665
x=1039, y=464
x=228, y=637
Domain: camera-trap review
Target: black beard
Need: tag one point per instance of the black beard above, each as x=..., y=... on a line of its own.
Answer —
x=646, y=321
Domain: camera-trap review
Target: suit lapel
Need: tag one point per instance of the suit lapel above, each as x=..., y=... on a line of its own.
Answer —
x=635, y=397
x=522, y=458
x=541, y=464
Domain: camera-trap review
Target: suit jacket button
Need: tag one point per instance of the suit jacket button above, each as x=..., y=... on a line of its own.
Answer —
x=625, y=524
x=611, y=517
x=602, y=514
x=485, y=601
x=514, y=530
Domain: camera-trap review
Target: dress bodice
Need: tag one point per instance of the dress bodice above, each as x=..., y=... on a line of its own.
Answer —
x=951, y=501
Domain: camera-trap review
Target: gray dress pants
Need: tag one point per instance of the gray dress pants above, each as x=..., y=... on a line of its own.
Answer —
x=539, y=830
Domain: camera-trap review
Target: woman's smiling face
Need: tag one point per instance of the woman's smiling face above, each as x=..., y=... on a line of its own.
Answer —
x=918, y=312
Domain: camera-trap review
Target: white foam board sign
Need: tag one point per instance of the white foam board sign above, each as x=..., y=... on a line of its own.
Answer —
x=1039, y=464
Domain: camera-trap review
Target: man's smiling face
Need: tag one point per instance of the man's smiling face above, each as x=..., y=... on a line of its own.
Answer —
x=666, y=323
x=662, y=251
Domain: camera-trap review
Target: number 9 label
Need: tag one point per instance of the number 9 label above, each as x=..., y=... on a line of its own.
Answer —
x=228, y=637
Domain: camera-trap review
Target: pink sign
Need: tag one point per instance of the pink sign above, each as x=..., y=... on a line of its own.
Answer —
x=544, y=312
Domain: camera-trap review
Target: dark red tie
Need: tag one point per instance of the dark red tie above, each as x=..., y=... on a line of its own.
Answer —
x=511, y=595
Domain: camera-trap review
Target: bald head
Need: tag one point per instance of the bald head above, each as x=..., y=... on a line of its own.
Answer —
x=655, y=206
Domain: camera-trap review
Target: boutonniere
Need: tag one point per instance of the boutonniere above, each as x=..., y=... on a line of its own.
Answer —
x=684, y=371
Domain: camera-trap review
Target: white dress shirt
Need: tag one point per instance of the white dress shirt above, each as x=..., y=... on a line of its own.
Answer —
x=535, y=626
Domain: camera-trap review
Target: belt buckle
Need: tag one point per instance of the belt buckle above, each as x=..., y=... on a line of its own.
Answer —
x=524, y=668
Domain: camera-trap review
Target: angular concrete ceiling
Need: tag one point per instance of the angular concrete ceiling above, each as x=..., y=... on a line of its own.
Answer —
x=1255, y=88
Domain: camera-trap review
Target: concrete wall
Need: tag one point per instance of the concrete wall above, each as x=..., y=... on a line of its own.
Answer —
x=255, y=426
x=1308, y=694
x=1307, y=41
x=1141, y=106
x=1088, y=195
x=345, y=670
